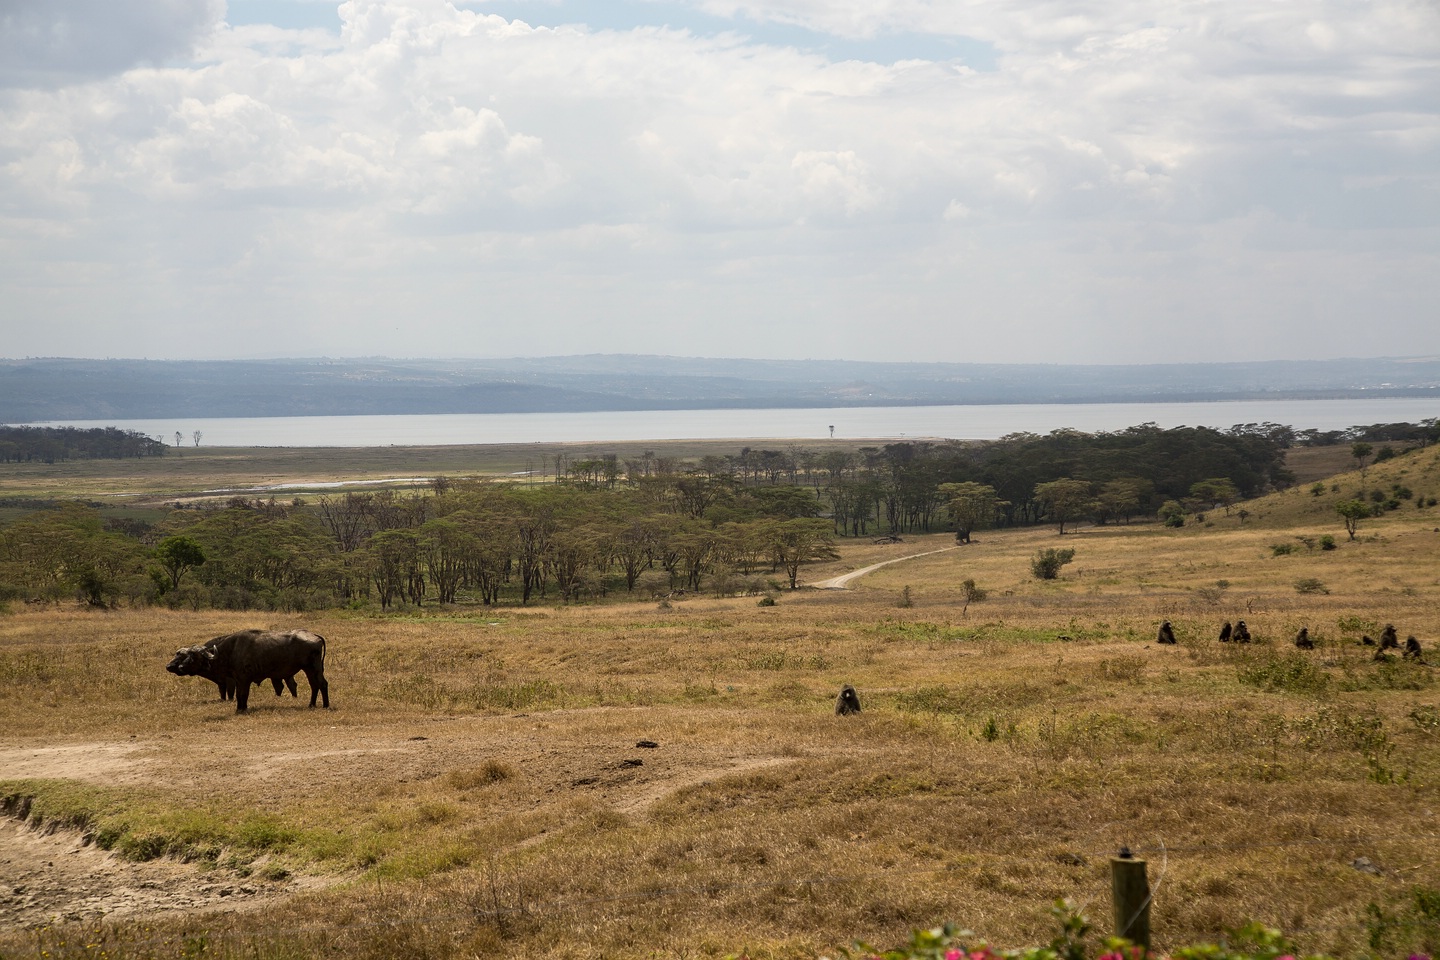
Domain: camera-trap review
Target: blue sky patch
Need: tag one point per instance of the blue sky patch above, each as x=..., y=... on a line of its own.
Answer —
x=629, y=14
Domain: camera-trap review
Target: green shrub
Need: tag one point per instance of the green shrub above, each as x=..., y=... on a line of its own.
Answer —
x=1310, y=585
x=1047, y=563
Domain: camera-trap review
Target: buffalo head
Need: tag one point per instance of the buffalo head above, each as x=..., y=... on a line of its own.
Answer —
x=190, y=661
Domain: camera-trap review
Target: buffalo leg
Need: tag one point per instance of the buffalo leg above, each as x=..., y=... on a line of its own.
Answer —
x=319, y=686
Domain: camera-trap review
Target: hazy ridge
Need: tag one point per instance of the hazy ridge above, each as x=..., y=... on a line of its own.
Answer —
x=79, y=389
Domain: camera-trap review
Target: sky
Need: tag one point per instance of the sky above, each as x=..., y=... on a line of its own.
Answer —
x=1055, y=181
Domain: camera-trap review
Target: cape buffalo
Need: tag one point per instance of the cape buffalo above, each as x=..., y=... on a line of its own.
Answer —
x=192, y=661
x=251, y=656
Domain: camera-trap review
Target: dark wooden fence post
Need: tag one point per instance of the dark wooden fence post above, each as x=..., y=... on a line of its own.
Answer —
x=1130, y=891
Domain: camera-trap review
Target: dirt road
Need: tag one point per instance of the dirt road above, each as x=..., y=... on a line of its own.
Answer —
x=843, y=581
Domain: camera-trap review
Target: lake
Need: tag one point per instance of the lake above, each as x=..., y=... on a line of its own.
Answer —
x=979, y=422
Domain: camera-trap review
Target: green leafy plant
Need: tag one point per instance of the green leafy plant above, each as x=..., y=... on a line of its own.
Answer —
x=1047, y=563
x=1293, y=672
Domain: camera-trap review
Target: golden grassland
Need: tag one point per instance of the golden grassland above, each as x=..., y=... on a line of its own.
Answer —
x=478, y=790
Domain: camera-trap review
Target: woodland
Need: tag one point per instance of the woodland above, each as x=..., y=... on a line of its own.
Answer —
x=606, y=526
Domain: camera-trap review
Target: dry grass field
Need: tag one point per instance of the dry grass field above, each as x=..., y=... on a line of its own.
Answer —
x=480, y=788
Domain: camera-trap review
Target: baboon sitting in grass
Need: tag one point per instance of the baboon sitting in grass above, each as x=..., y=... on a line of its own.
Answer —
x=1303, y=641
x=848, y=702
x=1388, y=639
x=1365, y=641
x=1166, y=635
x=1242, y=632
x=1225, y=632
x=1412, y=650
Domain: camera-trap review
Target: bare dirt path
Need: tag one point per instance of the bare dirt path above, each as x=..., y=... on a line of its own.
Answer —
x=49, y=876
x=843, y=581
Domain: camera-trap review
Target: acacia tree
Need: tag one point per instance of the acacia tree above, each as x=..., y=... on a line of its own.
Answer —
x=444, y=545
x=1360, y=452
x=1064, y=499
x=178, y=554
x=395, y=565
x=970, y=505
x=1352, y=512
x=1216, y=491
x=793, y=542
x=1122, y=498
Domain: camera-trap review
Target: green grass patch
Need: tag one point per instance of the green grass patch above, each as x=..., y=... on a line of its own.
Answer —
x=1286, y=673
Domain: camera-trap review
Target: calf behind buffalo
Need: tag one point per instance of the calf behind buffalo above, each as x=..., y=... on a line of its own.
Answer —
x=250, y=656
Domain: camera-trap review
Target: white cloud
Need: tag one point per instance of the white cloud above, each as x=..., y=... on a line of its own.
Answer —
x=1128, y=177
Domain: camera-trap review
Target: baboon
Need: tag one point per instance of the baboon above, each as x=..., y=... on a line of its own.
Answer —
x=1388, y=639
x=1412, y=649
x=1225, y=632
x=848, y=702
x=1166, y=635
x=1365, y=641
x=1242, y=632
x=1303, y=641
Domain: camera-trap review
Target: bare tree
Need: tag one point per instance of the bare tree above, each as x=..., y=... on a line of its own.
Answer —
x=179, y=438
x=196, y=437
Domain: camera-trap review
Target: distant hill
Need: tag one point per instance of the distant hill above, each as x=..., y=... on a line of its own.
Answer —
x=34, y=390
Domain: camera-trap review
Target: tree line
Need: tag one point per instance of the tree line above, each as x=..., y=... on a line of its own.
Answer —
x=648, y=526
x=1021, y=479
x=52, y=444
x=473, y=541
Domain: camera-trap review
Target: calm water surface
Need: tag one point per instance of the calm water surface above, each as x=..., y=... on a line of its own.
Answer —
x=985, y=422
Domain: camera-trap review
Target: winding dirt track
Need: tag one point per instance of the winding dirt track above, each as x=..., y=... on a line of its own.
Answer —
x=842, y=582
